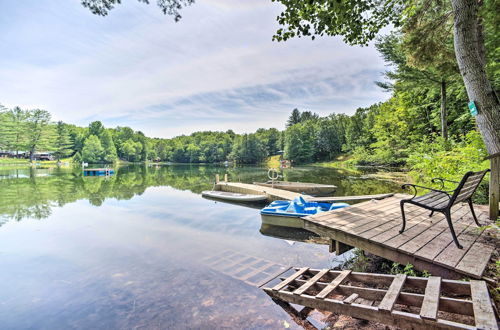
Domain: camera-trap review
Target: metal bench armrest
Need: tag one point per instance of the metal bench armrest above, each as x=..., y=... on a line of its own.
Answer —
x=415, y=186
x=442, y=181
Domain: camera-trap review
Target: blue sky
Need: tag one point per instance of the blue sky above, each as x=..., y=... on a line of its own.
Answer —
x=216, y=69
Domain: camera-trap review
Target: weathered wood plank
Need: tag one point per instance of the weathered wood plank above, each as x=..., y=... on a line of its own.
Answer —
x=290, y=279
x=451, y=305
x=351, y=298
x=392, y=294
x=333, y=285
x=481, y=303
x=494, y=191
x=433, y=248
x=349, y=198
x=311, y=282
x=452, y=255
x=476, y=259
x=381, y=250
x=400, y=319
x=430, y=305
x=273, y=276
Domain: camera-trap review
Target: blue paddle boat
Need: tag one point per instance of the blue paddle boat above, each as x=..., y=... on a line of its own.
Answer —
x=289, y=213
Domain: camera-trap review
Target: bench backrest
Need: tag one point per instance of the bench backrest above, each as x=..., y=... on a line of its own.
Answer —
x=467, y=186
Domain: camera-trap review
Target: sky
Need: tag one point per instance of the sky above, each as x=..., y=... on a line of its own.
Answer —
x=215, y=69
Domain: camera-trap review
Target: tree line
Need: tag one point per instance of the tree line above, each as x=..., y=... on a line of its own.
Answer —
x=24, y=132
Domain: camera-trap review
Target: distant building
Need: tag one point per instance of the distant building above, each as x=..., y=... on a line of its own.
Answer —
x=43, y=156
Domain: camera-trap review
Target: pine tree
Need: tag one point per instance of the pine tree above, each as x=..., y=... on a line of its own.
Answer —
x=63, y=145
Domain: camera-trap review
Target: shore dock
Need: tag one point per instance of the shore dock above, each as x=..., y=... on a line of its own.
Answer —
x=373, y=226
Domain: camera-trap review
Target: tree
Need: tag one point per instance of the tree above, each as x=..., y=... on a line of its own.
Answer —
x=37, y=127
x=96, y=128
x=471, y=58
x=62, y=143
x=92, y=150
x=170, y=7
x=294, y=118
x=359, y=21
x=13, y=131
x=109, y=149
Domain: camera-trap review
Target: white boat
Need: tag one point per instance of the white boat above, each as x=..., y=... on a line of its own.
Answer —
x=235, y=197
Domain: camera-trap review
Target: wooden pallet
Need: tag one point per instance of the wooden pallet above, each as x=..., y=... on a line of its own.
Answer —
x=404, y=301
x=249, y=269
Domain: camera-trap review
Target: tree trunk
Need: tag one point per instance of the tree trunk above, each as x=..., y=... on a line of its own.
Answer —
x=32, y=153
x=469, y=58
x=444, y=114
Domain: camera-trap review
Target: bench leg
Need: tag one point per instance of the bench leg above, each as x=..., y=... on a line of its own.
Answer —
x=450, y=224
x=472, y=211
x=402, y=203
x=432, y=213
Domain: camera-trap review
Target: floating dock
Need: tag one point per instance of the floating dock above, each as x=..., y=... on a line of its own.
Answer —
x=373, y=226
x=398, y=300
x=272, y=194
x=98, y=171
x=280, y=194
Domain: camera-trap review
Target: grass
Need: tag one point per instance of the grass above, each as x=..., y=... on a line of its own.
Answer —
x=344, y=160
x=273, y=161
x=26, y=162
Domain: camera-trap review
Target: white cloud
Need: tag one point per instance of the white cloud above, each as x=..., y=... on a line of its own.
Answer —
x=216, y=69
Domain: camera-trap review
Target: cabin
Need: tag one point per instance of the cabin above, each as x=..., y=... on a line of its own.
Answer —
x=43, y=156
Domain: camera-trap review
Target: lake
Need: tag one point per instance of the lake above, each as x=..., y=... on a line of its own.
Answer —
x=132, y=251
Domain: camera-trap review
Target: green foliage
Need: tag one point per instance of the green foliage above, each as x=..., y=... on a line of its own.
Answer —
x=406, y=270
x=168, y=7
x=38, y=130
x=357, y=21
x=93, y=151
x=62, y=143
x=450, y=161
x=248, y=149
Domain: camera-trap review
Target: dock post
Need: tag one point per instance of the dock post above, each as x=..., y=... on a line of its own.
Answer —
x=217, y=178
x=225, y=177
x=494, y=185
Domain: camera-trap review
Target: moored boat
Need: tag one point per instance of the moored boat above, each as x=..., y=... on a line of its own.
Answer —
x=234, y=197
x=290, y=213
x=300, y=187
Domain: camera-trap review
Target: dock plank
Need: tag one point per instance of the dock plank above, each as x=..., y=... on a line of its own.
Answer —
x=474, y=260
x=290, y=279
x=304, y=287
x=452, y=255
x=349, y=198
x=333, y=285
x=426, y=242
x=430, y=305
x=392, y=294
x=481, y=303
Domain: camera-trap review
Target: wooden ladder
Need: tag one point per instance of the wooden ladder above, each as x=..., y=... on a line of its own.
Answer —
x=359, y=295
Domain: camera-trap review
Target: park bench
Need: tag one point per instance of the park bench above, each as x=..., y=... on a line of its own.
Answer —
x=439, y=200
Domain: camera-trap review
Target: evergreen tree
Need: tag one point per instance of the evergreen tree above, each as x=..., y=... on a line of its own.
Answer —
x=62, y=145
x=92, y=150
x=109, y=149
x=38, y=132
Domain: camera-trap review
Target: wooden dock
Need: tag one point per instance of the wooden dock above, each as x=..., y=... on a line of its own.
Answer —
x=399, y=300
x=272, y=194
x=374, y=226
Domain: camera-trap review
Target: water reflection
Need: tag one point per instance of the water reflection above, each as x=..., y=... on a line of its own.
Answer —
x=128, y=251
x=33, y=192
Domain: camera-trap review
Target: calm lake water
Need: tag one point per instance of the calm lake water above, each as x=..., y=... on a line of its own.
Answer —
x=130, y=251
